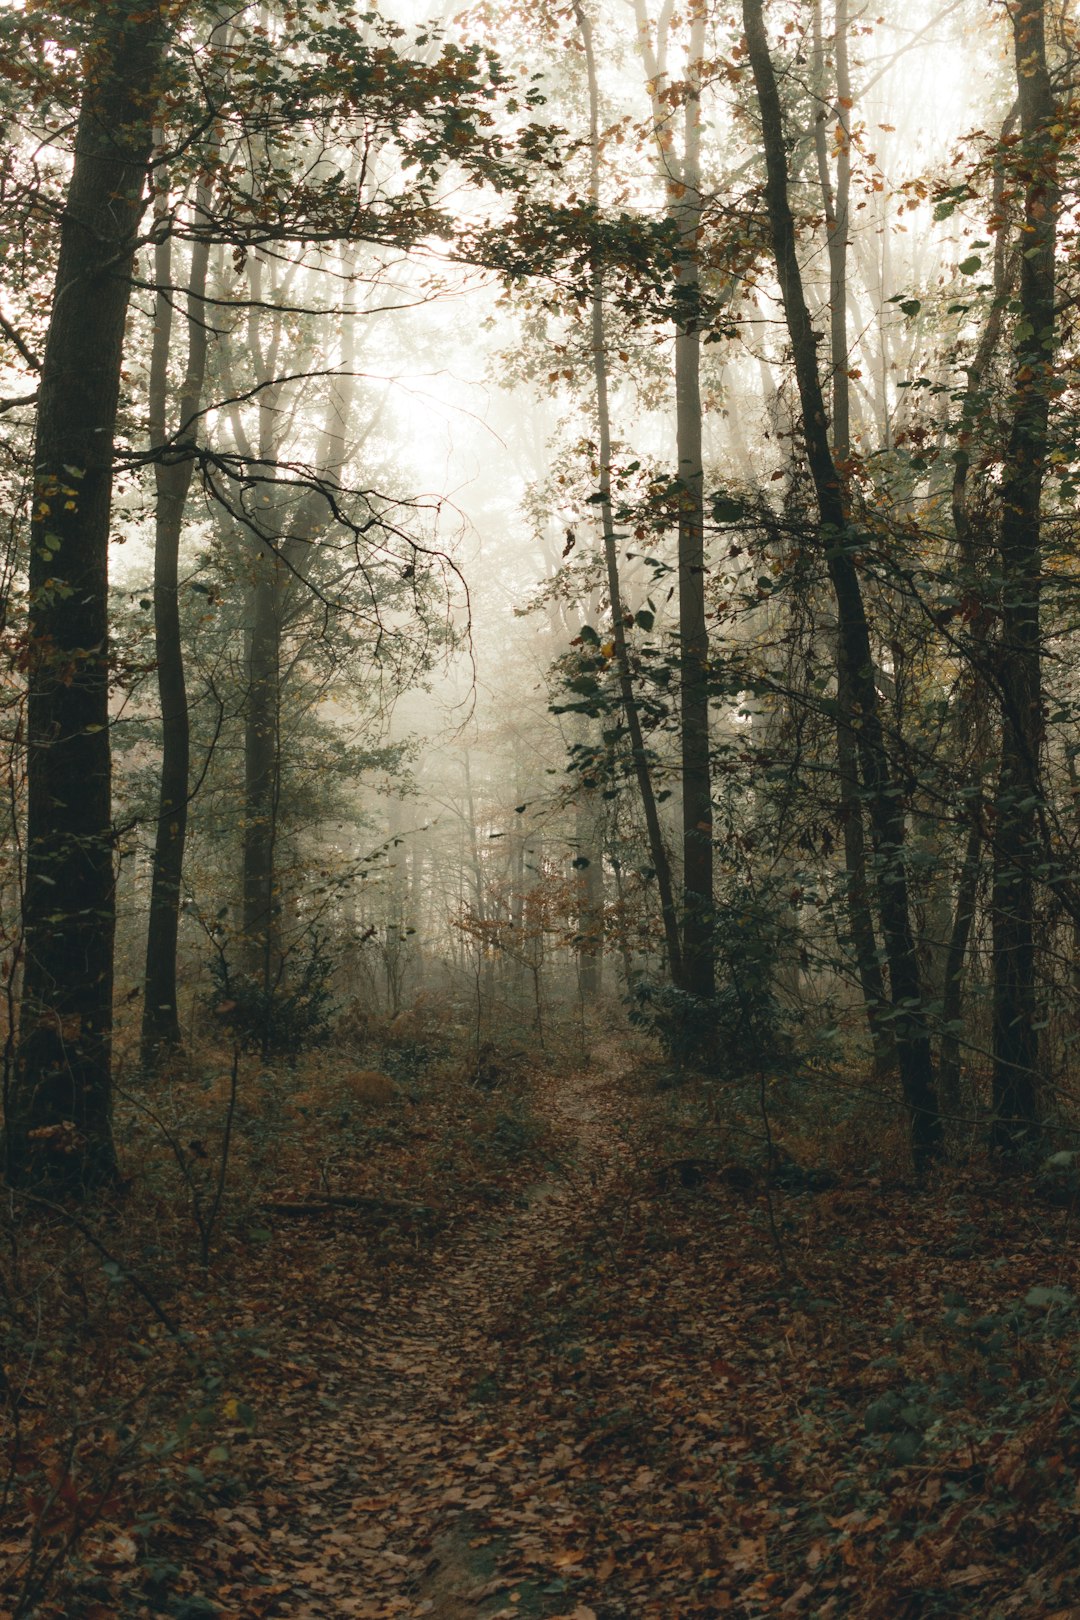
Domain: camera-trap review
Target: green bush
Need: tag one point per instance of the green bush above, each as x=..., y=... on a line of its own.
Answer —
x=294, y=1013
x=742, y=1027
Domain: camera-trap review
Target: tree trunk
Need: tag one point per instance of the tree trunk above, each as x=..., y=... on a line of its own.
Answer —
x=970, y=728
x=589, y=843
x=60, y=1102
x=1016, y=830
x=281, y=541
x=698, y=946
x=173, y=472
x=262, y=898
x=836, y=205
x=657, y=848
x=860, y=914
x=967, y=890
x=884, y=801
x=695, y=971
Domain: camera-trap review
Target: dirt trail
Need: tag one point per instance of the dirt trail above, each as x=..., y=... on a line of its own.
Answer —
x=403, y=1492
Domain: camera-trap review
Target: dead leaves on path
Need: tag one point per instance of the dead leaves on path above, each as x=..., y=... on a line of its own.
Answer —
x=605, y=1404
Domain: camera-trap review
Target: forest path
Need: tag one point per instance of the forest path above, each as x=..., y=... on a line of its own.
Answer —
x=406, y=1491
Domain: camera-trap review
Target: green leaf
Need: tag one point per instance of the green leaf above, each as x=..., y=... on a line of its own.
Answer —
x=1041, y=1299
x=904, y=1447
x=727, y=510
x=911, y=306
x=969, y=265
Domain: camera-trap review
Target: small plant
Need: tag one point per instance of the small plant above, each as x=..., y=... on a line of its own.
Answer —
x=514, y=1133
x=681, y=1022
x=741, y=1028
x=293, y=1013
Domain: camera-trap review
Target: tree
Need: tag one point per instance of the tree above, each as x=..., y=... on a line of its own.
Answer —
x=59, y=1103
x=855, y=656
x=631, y=712
x=1017, y=841
x=174, y=466
x=682, y=181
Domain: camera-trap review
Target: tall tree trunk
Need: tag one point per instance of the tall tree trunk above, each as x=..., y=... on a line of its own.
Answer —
x=857, y=887
x=60, y=1102
x=698, y=945
x=282, y=544
x=658, y=853
x=1016, y=830
x=682, y=184
x=261, y=892
x=967, y=891
x=884, y=801
x=173, y=471
x=589, y=842
x=970, y=728
x=836, y=205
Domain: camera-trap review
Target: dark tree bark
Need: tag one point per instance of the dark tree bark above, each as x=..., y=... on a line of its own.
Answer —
x=281, y=538
x=967, y=892
x=657, y=848
x=261, y=889
x=589, y=842
x=836, y=202
x=694, y=969
x=59, y=1106
x=698, y=944
x=1016, y=831
x=974, y=706
x=883, y=798
x=173, y=472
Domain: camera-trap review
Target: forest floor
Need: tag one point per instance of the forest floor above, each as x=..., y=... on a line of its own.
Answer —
x=554, y=1349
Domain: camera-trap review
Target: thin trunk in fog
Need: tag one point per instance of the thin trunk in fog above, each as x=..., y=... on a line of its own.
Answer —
x=589, y=843
x=1016, y=827
x=281, y=540
x=967, y=893
x=58, y=1111
x=172, y=472
x=682, y=183
x=836, y=202
x=973, y=706
x=642, y=772
x=836, y=207
x=261, y=952
x=262, y=721
x=882, y=792
x=698, y=943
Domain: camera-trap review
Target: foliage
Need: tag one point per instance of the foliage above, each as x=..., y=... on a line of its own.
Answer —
x=291, y=1014
x=146, y=1397
x=742, y=1028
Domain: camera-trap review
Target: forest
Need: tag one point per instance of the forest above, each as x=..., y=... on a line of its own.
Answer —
x=539, y=809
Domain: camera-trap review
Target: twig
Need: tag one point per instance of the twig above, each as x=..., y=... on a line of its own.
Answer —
x=320, y=1206
x=172, y=1328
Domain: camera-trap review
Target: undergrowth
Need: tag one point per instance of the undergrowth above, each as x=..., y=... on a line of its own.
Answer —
x=149, y=1337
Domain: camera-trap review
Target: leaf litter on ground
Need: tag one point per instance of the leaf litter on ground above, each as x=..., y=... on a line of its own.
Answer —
x=585, y=1389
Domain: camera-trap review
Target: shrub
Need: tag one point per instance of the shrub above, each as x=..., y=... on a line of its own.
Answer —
x=294, y=1013
x=742, y=1027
